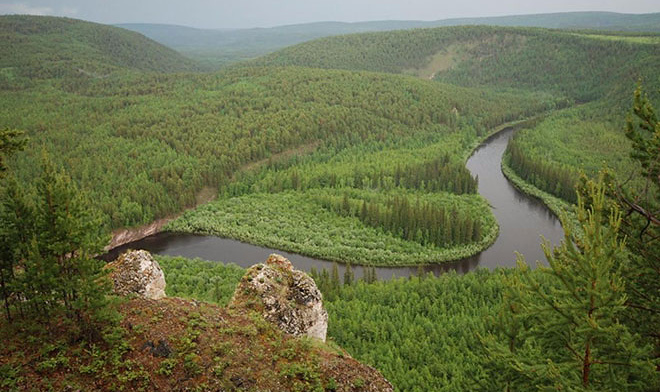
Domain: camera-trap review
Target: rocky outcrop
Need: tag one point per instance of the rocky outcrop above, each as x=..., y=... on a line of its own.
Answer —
x=124, y=236
x=137, y=272
x=286, y=297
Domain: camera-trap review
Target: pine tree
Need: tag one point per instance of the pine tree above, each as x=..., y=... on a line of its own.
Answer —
x=11, y=140
x=642, y=220
x=345, y=205
x=15, y=218
x=363, y=211
x=334, y=277
x=55, y=256
x=348, y=275
x=16, y=230
x=568, y=316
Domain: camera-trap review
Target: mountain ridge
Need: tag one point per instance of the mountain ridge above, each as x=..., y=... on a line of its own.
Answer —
x=221, y=47
x=44, y=46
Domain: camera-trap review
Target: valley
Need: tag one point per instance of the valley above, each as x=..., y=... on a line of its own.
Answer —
x=410, y=171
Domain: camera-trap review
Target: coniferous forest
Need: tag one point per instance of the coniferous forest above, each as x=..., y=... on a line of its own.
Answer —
x=351, y=149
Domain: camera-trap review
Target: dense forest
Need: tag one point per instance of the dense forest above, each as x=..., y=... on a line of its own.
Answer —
x=596, y=68
x=217, y=48
x=164, y=139
x=343, y=149
x=43, y=48
x=501, y=330
x=579, y=66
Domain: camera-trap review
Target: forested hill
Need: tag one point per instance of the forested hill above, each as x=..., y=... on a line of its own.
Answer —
x=222, y=46
x=44, y=47
x=568, y=20
x=581, y=66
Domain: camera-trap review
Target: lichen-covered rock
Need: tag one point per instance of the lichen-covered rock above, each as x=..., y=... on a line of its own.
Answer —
x=137, y=272
x=286, y=297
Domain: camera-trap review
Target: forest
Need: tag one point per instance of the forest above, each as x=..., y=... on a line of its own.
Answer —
x=165, y=138
x=340, y=145
x=488, y=330
x=218, y=48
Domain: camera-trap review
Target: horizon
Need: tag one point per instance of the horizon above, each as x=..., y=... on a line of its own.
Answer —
x=208, y=14
x=370, y=21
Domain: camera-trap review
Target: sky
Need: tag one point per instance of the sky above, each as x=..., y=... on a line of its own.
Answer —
x=267, y=13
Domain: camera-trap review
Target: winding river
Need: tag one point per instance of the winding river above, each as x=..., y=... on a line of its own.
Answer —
x=523, y=220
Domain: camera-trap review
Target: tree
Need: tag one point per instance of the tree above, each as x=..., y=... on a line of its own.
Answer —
x=11, y=141
x=349, y=277
x=643, y=129
x=16, y=231
x=564, y=327
x=11, y=236
x=48, y=250
x=640, y=200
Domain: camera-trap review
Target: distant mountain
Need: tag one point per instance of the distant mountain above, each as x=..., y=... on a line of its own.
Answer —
x=581, y=65
x=568, y=20
x=43, y=47
x=218, y=47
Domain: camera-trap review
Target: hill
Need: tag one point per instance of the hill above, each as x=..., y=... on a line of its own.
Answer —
x=42, y=47
x=162, y=139
x=578, y=65
x=610, y=21
x=224, y=46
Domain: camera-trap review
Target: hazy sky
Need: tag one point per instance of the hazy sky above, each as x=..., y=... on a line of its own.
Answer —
x=263, y=13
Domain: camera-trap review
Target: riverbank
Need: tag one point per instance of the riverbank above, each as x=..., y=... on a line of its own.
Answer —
x=127, y=235
x=558, y=206
x=244, y=227
x=523, y=220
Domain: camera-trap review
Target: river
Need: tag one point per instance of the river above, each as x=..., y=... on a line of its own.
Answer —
x=523, y=220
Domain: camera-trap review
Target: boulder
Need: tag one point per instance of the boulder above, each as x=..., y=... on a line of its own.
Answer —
x=286, y=297
x=137, y=272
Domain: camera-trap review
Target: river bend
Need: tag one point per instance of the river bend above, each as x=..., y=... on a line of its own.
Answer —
x=522, y=219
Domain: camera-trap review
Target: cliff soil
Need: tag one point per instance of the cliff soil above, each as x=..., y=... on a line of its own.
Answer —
x=179, y=345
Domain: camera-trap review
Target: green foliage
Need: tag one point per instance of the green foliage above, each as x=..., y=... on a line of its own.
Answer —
x=422, y=222
x=162, y=139
x=216, y=48
x=420, y=332
x=589, y=138
x=199, y=279
x=406, y=167
x=563, y=328
x=10, y=142
x=586, y=139
x=577, y=66
x=643, y=130
x=546, y=175
x=351, y=166
x=304, y=226
x=48, y=247
x=423, y=332
x=641, y=224
x=10, y=377
x=76, y=50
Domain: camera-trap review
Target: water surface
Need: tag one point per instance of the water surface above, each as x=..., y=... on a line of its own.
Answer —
x=523, y=220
